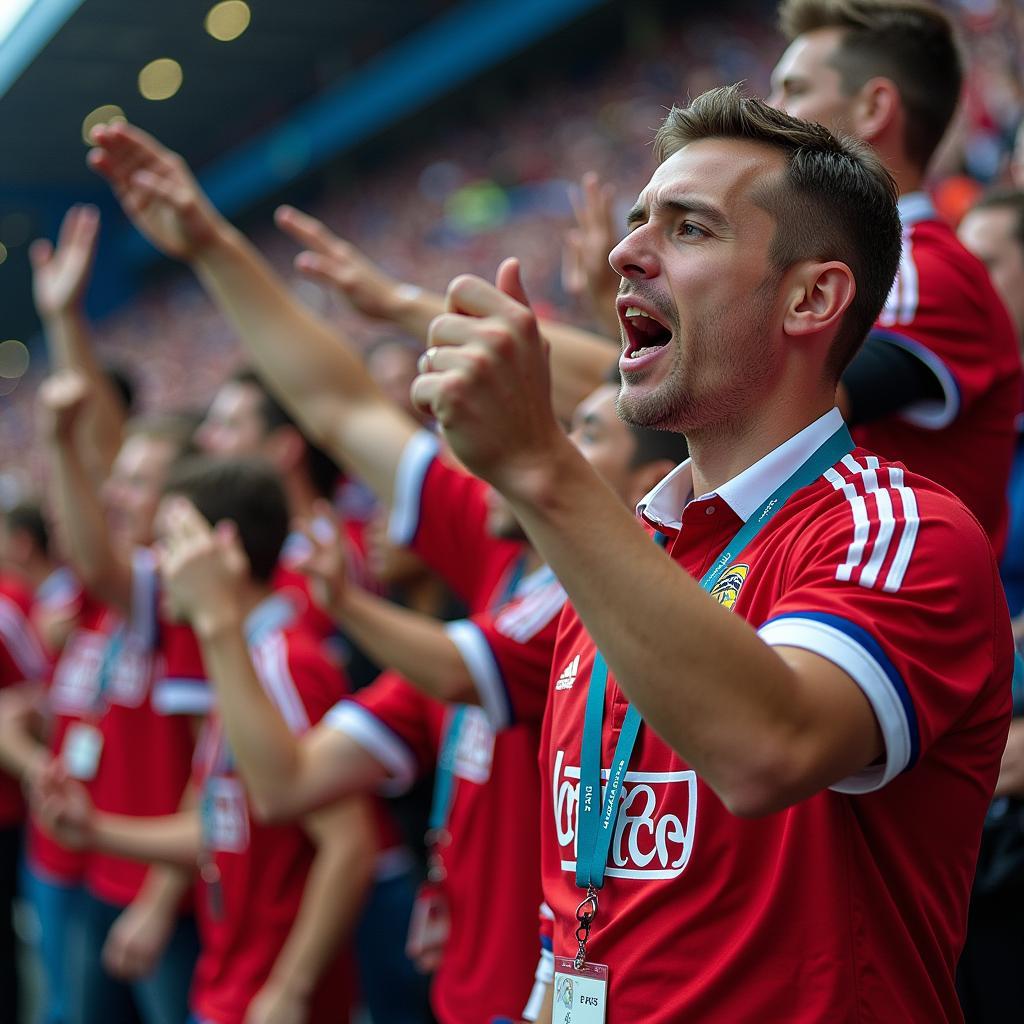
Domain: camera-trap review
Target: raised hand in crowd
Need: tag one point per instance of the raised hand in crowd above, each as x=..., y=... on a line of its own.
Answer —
x=586, y=272
x=338, y=264
x=60, y=403
x=60, y=277
x=156, y=189
x=325, y=561
x=202, y=566
x=486, y=380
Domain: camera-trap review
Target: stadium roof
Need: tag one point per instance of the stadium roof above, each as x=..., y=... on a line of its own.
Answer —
x=305, y=81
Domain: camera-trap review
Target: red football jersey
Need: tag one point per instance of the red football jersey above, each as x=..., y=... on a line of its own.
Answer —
x=850, y=905
x=944, y=310
x=295, y=586
x=491, y=862
x=153, y=683
x=71, y=697
x=21, y=659
x=263, y=868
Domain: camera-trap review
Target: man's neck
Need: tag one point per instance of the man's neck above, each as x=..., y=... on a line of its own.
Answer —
x=725, y=449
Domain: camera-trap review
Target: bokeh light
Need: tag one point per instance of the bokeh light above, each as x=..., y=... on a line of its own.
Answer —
x=3, y=252
x=160, y=79
x=228, y=20
x=14, y=359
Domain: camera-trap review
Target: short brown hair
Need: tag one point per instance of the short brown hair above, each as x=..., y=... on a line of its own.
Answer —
x=246, y=490
x=910, y=42
x=836, y=200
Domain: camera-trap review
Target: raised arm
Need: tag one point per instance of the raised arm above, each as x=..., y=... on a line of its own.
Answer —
x=314, y=372
x=414, y=644
x=580, y=360
x=586, y=272
x=103, y=570
x=796, y=723
x=59, y=279
x=285, y=775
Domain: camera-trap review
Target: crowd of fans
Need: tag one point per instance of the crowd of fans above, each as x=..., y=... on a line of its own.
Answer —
x=472, y=198
x=254, y=594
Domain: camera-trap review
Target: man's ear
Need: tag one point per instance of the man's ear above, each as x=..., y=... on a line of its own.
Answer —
x=820, y=295
x=877, y=105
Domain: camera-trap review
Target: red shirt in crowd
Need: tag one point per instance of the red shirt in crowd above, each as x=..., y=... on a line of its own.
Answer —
x=152, y=684
x=263, y=868
x=944, y=310
x=71, y=698
x=492, y=879
x=21, y=659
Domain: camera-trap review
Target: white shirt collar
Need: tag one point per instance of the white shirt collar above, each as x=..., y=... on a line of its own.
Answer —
x=745, y=493
x=915, y=207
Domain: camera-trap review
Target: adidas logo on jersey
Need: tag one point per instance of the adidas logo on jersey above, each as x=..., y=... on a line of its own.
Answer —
x=568, y=676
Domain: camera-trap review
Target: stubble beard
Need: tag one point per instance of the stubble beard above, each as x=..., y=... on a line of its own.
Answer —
x=681, y=402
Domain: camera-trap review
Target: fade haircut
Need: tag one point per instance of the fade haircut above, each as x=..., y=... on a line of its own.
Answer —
x=834, y=201
x=1005, y=199
x=245, y=490
x=910, y=42
x=324, y=473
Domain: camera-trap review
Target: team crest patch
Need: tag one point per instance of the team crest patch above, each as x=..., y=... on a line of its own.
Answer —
x=727, y=589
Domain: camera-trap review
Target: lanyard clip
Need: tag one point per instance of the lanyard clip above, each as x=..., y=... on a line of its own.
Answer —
x=585, y=914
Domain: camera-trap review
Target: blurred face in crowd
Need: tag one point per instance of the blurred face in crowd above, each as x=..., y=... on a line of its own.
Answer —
x=806, y=85
x=607, y=443
x=393, y=368
x=699, y=294
x=132, y=492
x=991, y=234
x=234, y=423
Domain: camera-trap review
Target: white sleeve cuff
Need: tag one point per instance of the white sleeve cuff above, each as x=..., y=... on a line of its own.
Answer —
x=859, y=656
x=415, y=460
x=544, y=979
x=483, y=667
x=373, y=735
x=182, y=697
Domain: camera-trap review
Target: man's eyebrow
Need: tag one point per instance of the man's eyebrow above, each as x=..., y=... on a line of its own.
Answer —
x=714, y=217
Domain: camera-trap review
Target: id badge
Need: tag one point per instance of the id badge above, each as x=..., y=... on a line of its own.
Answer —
x=224, y=814
x=429, y=925
x=83, y=745
x=581, y=996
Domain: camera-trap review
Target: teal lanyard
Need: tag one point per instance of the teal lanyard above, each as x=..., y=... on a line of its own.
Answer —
x=108, y=665
x=594, y=831
x=444, y=775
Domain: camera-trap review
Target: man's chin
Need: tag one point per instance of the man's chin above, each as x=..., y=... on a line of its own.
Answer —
x=641, y=407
